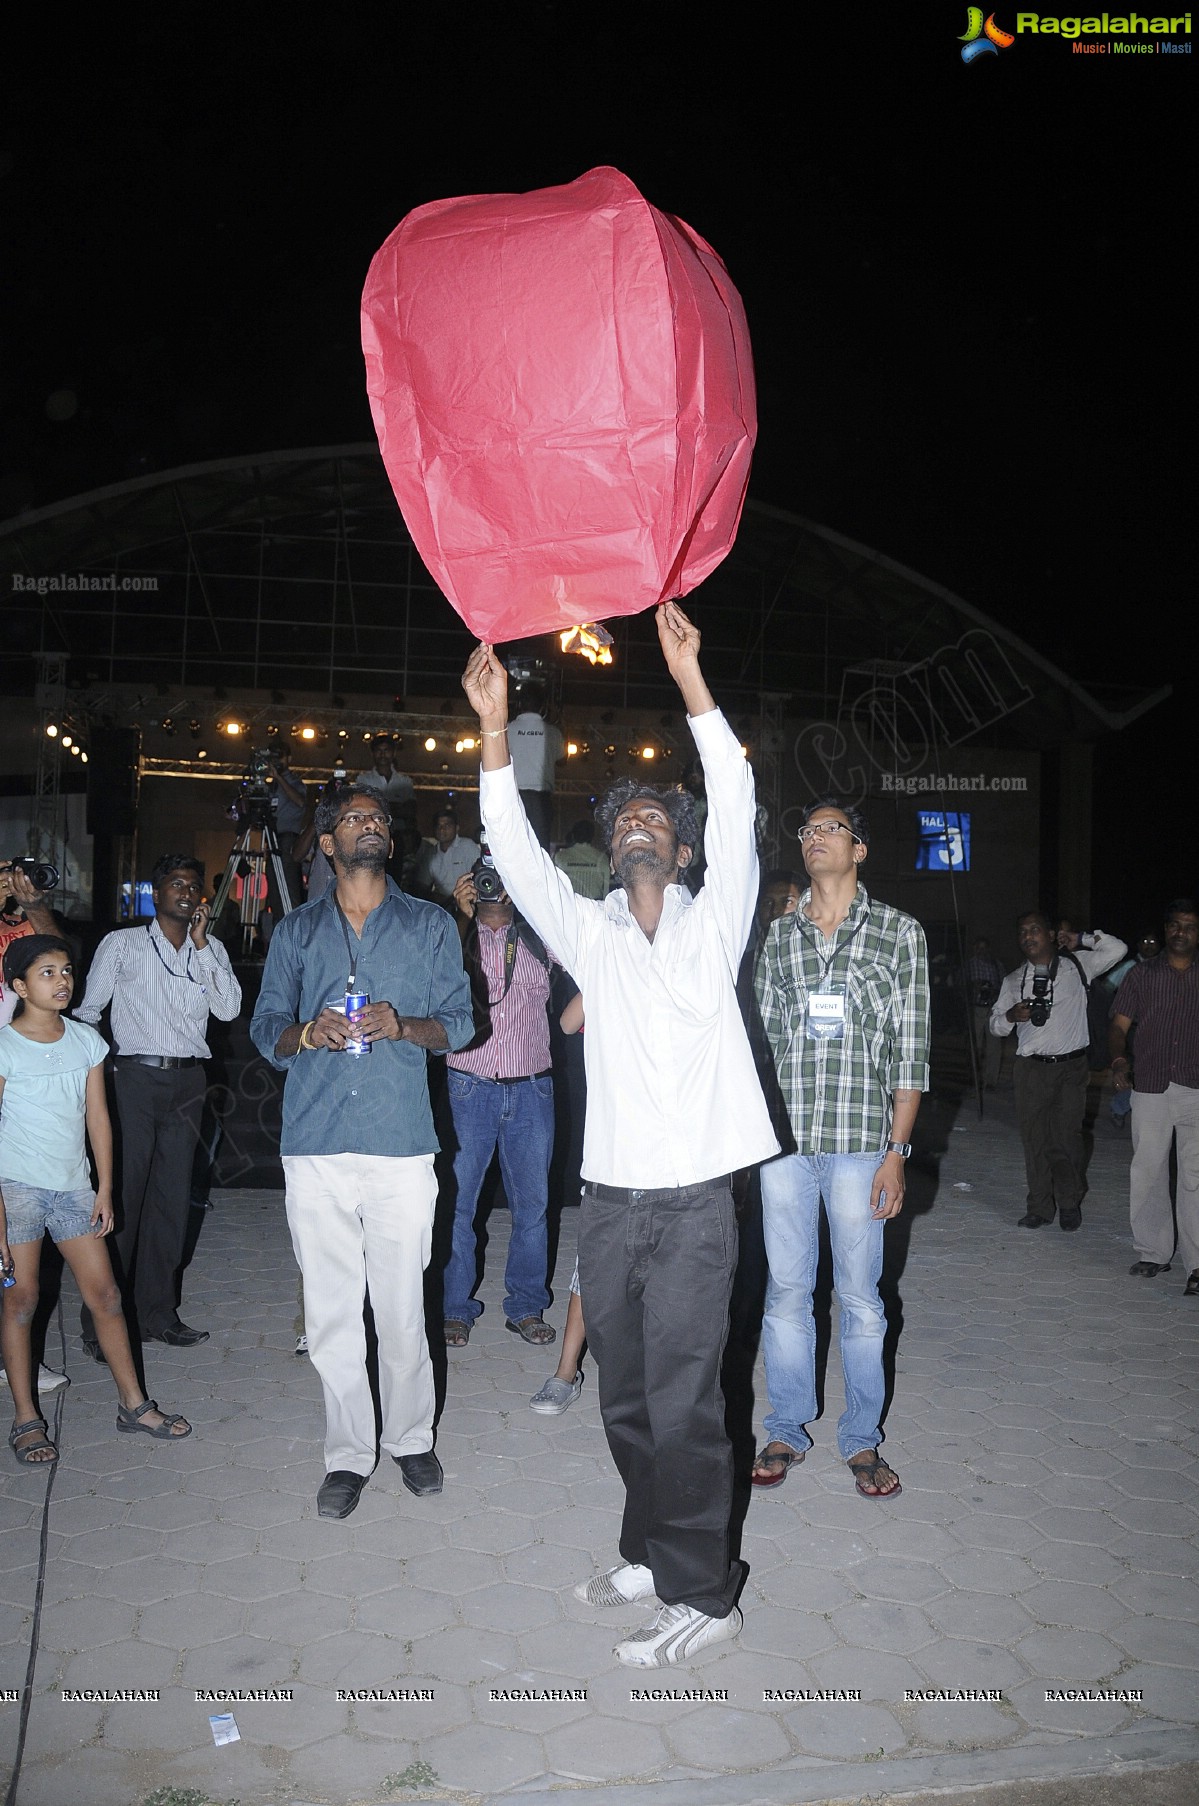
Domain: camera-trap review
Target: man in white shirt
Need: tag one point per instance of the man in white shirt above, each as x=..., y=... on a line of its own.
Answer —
x=163, y=980
x=451, y=857
x=1045, y=1001
x=536, y=746
x=674, y=1108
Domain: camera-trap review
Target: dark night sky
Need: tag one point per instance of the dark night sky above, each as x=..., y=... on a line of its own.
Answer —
x=964, y=284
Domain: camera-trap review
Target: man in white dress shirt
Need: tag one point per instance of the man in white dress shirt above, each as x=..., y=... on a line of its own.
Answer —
x=674, y=1108
x=163, y=979
x=1045, y=1001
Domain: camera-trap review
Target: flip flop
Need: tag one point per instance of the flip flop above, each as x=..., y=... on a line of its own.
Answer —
x=868, y=1471
x=782, y=1457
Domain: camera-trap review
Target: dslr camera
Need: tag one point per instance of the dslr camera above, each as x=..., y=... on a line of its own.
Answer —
x=1042, y=997
x=39, y=872
x=489, y=886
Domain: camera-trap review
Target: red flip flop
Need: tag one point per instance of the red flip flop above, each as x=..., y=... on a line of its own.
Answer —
x=784, y=1459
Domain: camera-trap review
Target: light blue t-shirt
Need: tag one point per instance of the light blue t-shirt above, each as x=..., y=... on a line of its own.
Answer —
x=41, y=1111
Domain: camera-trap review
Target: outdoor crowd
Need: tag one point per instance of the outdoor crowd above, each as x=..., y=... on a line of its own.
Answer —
x=744, y=1037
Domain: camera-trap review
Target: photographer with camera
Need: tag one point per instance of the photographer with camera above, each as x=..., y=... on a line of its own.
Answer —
x=1045, y=1001
x=501, y=1094
x=24, y=884
x=293, y=812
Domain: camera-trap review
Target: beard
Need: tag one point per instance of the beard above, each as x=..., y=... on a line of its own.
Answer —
x=642, y=862
x=364, y=859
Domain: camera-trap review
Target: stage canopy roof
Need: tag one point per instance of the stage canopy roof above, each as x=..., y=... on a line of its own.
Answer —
x=293, y=571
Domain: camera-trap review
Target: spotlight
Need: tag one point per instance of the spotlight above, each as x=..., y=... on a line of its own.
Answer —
x=232, y=728
x=66, y=739
x=648, y=752
x=202, y=753
x=609, y=752
x=572, y=749
x=83, y=758
x=368, y=736
x=430, y=744
x=52, y=730
x=272, y=729
x=76, y=750
x=342, y=734
x=308, y=733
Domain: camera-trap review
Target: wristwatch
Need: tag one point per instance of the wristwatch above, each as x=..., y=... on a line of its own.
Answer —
x=902, y=1148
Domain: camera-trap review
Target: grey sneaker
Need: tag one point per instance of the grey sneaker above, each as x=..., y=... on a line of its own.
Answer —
x=556, y=1396
x=677, y=1633
x=619, y=1586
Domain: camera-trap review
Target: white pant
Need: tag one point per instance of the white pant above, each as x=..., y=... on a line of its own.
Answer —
x=364, y=1222
x=1157, y=1117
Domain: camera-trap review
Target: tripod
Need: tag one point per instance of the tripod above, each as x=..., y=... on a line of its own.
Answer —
x=262, y=864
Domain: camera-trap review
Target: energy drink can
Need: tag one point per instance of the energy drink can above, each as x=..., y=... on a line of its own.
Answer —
x=356, y=1002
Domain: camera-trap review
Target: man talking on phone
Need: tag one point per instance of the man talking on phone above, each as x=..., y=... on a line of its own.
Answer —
x=162, y=979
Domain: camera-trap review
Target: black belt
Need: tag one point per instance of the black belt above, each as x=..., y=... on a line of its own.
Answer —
x=155, y=1060
x=522, y=1079
x=1056, y=1059
x=620, y=1194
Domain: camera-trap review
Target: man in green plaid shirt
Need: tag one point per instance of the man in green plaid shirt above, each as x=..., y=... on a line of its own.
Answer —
x=842, y=987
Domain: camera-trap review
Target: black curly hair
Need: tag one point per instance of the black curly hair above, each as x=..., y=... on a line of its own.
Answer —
x=678, y=803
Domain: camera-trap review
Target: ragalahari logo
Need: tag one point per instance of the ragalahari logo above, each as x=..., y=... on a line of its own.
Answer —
x=983, y=37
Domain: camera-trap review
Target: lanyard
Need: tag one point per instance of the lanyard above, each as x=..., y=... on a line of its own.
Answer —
x=170, y=970
x=352, y=958
x=837, y=951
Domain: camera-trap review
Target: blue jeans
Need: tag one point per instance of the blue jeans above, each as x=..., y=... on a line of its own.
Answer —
x=792, y=1188
x=519, y=1118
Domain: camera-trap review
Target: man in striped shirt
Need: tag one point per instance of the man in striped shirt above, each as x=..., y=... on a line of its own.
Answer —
x=842, y=986
x=163, y=979
x=1161, y=997
x=501, y=1094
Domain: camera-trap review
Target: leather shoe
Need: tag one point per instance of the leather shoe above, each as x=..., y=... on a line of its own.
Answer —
x=1031, y=1221
x=421, y=1474
x=1147, y=1269
x=1191, y=1288
x=178, y=1335
x=339, y=1494
x=92, y=1347
x=1069, y=1219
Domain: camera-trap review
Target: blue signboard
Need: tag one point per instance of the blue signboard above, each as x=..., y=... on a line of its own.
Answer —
x=944, y=841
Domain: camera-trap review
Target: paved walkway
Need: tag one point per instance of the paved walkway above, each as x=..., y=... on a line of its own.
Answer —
x=1043, y=1424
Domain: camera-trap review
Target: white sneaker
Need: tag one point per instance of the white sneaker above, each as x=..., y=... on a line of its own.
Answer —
x=619, y=1586
x=677, y=1633
x=47, y=1379
x=302, y=1344
x=556, y=1396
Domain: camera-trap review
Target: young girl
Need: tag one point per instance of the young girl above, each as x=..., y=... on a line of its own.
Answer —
x=51, y=1083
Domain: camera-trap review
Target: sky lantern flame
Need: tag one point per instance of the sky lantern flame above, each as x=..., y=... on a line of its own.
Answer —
x=590, y=639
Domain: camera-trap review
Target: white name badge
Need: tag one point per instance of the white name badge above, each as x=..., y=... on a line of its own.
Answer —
x=826, y=1016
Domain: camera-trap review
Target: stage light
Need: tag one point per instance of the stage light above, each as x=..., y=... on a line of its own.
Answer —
x=202, y=753
x=744, y=751
x=609, y=752
x=459, y=746
x=368, y=736
x=193, y=728
x=76, y=750
x=168, y=727
x=469, y=743
x=571, y=749
x=66, y=739
x=232, y=728
x=52, y=730
x=83, y=758
x=272, y=729
x=649, y=752
x=342, y=733
x=430, y=744
x=308, y=733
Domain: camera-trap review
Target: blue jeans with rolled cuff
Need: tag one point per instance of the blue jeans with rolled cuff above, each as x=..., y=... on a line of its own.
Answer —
x=793, y=1187
x=517, y=1116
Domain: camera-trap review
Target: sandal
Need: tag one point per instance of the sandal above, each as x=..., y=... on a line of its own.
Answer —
x=534, y=1330
x=129, y=1419
x=31, y=1455
x=457, y=1332
x=868, y=1475
x=779, y=1460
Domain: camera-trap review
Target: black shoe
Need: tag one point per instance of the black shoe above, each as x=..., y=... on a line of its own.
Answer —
x=421, y=1474
x=92, y=1347
x=178, y=1335
x=1030, y=1220
x=1148, y=1269
x=339, y=1494
x=1070, y=1219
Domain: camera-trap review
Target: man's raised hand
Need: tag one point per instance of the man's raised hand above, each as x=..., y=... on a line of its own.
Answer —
x=486, y=684
x=679, y=639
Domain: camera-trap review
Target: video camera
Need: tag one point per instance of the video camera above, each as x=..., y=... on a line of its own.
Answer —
x=255, y=801
x=489, y=886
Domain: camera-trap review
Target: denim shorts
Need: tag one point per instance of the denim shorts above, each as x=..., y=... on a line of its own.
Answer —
x=32, y=1209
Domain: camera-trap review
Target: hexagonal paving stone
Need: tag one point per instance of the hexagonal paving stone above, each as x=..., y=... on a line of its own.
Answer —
x=960, y=1662
x=86, y=1624
x=406, y=1612
x=354, y=1658
x=989, y=1571
x=883, y=1624
x=872, y=1672
x=346, y=1574
x=809, y=1590
x=105, y=1548
x=529, y=1714
x=128, y=1663
x=242, y=1661
x=465, y=1654
x=980, y=1616
x=453, y=1570
x=1075, y=1561
x=891, y=1577
x=1161, y=1595
x=1069, y=1658
x=1170, y=1640
x=1067, y=1602
x=142, y=1583
x=982, y=1530
x=483, y=1758
x=845, y=1730
x=1078, y=1718
x=507, y=1607
x=793, y=1634
x=251, y=1577
x=722, y=1737
x=588, y=1751
x=322, y=1768
x=191, y=1620
x=965, y=1724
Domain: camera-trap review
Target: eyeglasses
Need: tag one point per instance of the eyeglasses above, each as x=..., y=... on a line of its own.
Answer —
x=824, y=827
x=353, y=819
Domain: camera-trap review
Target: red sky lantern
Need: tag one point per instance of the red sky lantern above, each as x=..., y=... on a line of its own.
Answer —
x=563, y=391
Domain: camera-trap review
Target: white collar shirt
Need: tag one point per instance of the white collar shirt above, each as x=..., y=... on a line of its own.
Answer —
x=161, y=995
x=672, y=1095
x=1066, y=1030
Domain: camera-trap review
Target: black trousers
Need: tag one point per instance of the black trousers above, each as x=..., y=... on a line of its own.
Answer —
x=159, y=1110
x=655, y=1272
x=1051, y=1097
